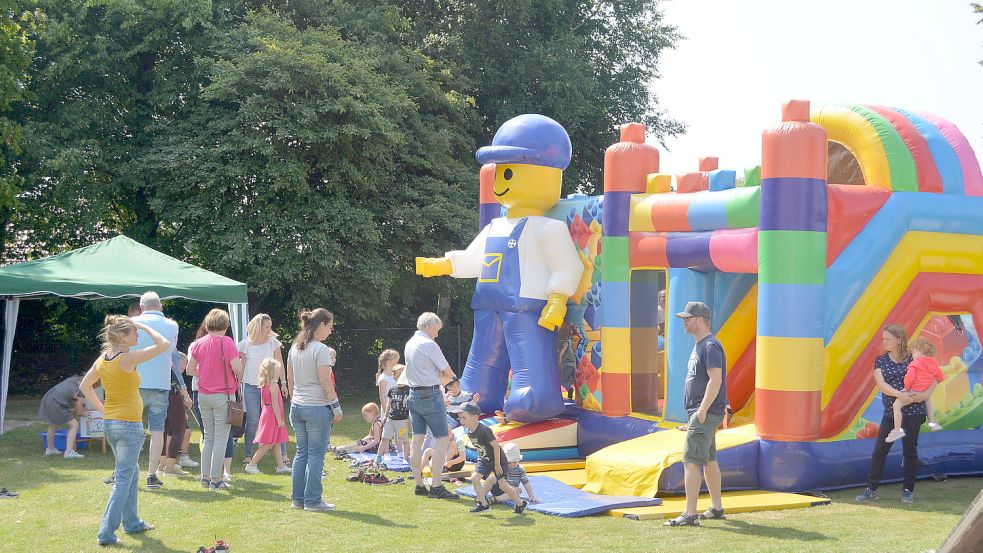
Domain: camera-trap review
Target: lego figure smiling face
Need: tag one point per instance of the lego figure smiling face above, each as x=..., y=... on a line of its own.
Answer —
x=527, y=189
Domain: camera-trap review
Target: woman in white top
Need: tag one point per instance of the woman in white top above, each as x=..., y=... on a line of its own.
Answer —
x=314, y=406
x=261, y=342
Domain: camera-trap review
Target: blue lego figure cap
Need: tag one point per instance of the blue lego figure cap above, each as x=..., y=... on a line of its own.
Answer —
x=531, y=139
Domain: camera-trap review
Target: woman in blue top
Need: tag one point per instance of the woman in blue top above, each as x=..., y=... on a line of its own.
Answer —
x=889, y=371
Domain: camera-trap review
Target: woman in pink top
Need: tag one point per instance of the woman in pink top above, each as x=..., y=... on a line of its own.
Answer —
x=215, y=360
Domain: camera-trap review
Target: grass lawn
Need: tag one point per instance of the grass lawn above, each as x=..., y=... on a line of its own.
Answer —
x=62, y=501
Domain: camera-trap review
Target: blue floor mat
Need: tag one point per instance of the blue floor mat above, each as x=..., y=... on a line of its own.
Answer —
x=392, y=462
x=559, y=499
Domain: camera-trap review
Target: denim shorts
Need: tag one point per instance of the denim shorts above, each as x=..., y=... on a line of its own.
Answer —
x=701, y=439
x=427, y=410
x=155, y=402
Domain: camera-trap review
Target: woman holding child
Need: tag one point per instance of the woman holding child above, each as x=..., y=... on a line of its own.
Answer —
x=889, y=375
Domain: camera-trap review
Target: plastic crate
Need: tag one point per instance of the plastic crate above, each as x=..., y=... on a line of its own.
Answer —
x=61, y=437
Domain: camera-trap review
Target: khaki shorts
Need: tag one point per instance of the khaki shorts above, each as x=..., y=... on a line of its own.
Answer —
x=396, y=429
x=701, y=439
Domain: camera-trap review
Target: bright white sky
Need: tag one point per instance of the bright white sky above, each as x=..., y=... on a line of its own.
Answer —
x=741, y=60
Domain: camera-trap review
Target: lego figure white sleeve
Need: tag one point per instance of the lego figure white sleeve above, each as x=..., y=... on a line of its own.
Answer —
x=467, y=263
x=561, y=257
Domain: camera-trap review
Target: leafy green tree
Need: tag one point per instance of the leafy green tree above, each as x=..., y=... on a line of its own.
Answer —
x=589, y=65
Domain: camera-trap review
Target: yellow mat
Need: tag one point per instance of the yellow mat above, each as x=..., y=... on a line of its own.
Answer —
x=633, y=467
x=734, y=502
x=576, y=478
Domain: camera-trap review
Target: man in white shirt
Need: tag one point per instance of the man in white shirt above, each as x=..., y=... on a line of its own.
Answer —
x=527, y=268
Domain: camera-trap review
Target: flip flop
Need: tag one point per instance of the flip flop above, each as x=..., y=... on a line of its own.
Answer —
x=7, y=494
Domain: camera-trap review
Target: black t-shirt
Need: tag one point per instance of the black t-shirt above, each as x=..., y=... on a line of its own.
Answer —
x=707, y=353
x=398, y=396
x=482, y=438
x=893, y=374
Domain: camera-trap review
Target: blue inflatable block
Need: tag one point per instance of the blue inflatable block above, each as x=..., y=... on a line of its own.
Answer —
x=559, y=499
x=596, y=431
x=738, y=470
x=392, y=462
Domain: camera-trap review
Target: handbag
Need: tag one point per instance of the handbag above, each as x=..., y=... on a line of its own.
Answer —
x=235, y=414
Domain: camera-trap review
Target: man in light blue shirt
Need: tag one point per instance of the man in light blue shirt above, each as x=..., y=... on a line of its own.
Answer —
x=155, y=378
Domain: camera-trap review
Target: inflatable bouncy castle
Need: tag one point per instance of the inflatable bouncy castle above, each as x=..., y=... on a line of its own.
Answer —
x=858, y=216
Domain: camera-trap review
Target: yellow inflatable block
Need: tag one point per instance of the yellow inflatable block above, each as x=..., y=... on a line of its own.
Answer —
x=633, y=467
x=734, y=502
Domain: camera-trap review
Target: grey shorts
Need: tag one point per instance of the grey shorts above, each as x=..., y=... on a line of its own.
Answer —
x=701, y=439
x=396, y=429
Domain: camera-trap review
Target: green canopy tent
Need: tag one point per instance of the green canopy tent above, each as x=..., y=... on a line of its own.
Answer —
x=115, y=268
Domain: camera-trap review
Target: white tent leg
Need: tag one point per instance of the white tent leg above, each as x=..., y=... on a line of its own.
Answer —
x=10, y=325
x=238, y=317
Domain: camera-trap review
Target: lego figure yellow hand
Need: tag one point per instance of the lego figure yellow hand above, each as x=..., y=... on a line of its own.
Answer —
x=433, y=266
x=554, y=312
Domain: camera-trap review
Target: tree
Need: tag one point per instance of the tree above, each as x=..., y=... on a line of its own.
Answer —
x=589, y=65
x=17, y=23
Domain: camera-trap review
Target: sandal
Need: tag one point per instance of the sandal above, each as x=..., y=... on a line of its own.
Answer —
x=712, y=513
x=684, y=520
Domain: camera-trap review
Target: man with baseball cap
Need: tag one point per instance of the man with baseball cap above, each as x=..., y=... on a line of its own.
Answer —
x=527, y=268
x=705, y=399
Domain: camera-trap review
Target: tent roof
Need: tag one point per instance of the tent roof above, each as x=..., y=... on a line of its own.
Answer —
x=115, y=268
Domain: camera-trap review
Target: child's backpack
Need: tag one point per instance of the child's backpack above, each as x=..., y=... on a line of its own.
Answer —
x=398, y=398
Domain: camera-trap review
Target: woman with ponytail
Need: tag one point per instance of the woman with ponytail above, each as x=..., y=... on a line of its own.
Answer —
x=314, y=407
x=123, y=416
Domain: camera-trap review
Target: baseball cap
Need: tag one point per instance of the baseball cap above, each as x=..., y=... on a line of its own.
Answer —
x=530, y=138
x=695, y=309
x=470, y=408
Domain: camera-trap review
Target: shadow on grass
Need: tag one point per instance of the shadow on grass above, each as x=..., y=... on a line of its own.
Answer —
x=368, y=518
x=519, y=521
x=150, y=543
x=930, y=497
x=782, y=532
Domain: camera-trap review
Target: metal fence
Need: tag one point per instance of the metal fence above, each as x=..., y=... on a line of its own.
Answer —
x=359, y=348
x=40, y=361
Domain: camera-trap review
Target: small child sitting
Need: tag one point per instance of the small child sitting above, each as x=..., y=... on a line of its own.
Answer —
x=454, y=460
x=488, y=470
x=455, y=398
x=514, y=474
x=921, y=371
x=370, y=412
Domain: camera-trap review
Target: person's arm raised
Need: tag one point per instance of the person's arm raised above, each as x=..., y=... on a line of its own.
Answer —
x=128, y=361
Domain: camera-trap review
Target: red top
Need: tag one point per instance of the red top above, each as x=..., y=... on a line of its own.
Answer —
x=920, y=373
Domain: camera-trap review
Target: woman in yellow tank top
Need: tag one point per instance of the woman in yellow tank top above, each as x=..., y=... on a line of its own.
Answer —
x=123, y=417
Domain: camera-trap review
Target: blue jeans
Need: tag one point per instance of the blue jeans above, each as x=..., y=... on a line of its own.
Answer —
x=126, y=440
x=253, y=399
x=312, y=429
x=155, y=402
x=427, y=410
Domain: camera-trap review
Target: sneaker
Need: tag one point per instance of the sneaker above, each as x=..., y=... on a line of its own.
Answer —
x=252, y=469
x=174, y=471
x=520, y=508
x=478, y=508
x=894, y=435
x=111, y=479
x=296, y=503
x=220, y=485
x=868, y=495
x=227, y=477
x=284, y=470
x=7, y=494
x=934, y=426
x=421, y=490
x=50, y=452
x=220, y=545
x=441, y=492
x=186, y=462
x=72, y=454
x=154, y=483
x=907, y=496
x=321, y=507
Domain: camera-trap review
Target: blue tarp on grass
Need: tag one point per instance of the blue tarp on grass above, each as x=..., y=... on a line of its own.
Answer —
x=559, y=499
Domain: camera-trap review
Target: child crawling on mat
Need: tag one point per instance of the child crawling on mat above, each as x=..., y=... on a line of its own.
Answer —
x=919, y=377
x=488, y=470
x=370, y=412
x=514, y=474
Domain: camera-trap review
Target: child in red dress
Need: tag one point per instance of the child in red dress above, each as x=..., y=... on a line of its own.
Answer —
x=921, y=371
x=272, y=430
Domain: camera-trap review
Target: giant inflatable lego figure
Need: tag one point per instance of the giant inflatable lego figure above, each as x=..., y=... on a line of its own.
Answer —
x=527, y=267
